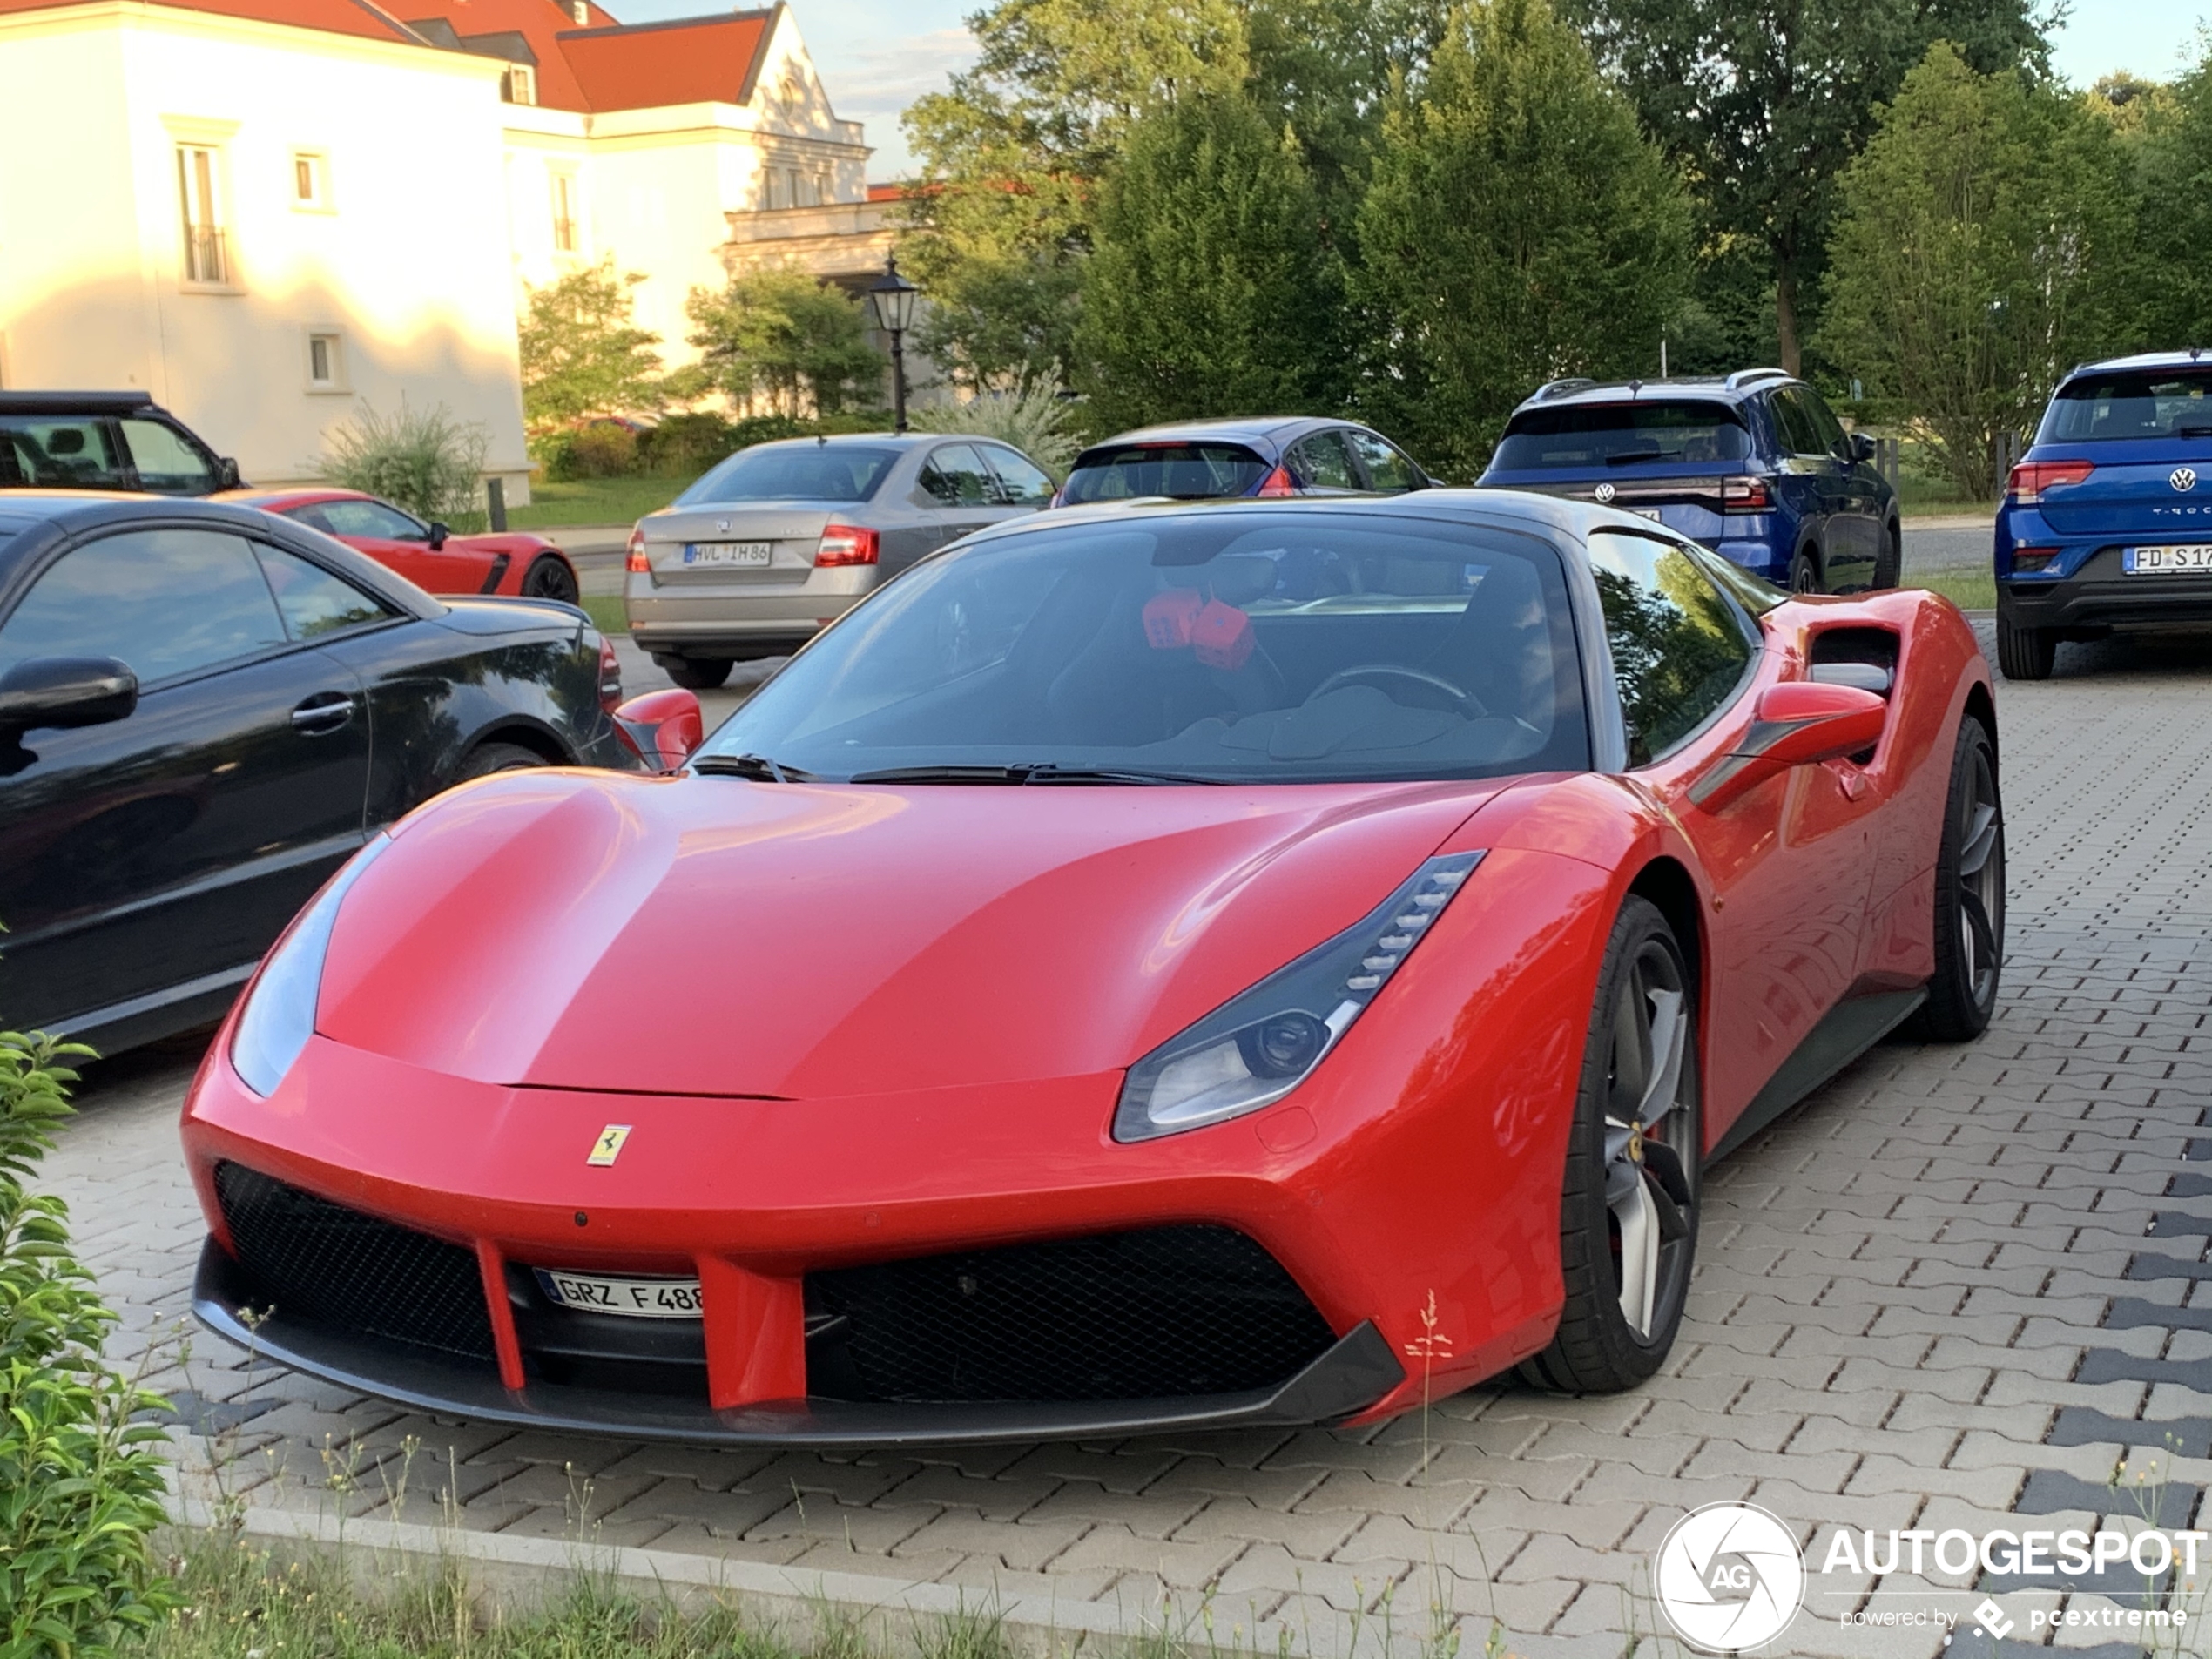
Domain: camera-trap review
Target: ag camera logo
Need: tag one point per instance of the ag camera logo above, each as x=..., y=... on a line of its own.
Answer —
x=1730, y=1577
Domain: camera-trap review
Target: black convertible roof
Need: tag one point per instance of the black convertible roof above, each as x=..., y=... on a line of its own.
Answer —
x=74, y=402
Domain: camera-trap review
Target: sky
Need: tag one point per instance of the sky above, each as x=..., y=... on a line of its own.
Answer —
x=877, y=56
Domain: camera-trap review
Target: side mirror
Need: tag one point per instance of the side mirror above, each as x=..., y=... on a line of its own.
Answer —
x=1862, y=447
x=61, y=691
x=1796, y=724
x=661, y=727
x=226, y=474
x=438, y=535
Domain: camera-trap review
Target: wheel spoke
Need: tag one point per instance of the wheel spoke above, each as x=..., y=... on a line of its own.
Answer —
x=1980, y=939
x=1980, y=840
x=1638, y=1220
x=1669, y=1035
x=1631, y=1048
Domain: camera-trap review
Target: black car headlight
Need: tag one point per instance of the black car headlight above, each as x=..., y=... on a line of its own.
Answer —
x=279, y=1013
x=1258, y=1046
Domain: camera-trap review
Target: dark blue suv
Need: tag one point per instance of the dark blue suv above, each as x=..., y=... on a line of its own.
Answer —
x=1755, y=466
x=2107, y=521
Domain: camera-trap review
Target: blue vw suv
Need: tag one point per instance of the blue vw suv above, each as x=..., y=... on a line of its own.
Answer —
x=2107, y=521
x=1755, y=466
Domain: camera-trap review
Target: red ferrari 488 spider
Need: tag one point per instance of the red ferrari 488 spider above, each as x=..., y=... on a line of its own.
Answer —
x=514, y=562
x=1157, y=966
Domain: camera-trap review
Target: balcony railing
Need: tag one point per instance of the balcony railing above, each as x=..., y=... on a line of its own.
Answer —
x=207, y=255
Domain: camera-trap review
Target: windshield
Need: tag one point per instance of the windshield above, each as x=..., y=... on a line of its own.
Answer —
x=1186, y=471
x=1620, y=434
x=841, y=472
x=1233, y=646
x=2147, y=403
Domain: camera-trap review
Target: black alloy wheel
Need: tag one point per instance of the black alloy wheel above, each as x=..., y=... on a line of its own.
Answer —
x=1969, y=895
x=1628, y=1209
x=549, y=578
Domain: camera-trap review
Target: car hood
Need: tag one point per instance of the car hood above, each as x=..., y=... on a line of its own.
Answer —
x=711, y=936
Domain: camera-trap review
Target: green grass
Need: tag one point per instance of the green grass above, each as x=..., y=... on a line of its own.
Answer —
x=239, y=1601
x=1968, y=590
x=585, y=501
x=607, y=614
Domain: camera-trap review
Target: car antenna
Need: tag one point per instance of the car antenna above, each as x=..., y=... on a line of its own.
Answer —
x=821, y=440
x=1634, y=386
x=2195, y=352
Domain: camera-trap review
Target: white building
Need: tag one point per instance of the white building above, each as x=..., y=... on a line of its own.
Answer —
x=267, y=212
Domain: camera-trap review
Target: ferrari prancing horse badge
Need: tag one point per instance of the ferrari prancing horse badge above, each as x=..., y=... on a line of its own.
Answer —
x=608, y=1147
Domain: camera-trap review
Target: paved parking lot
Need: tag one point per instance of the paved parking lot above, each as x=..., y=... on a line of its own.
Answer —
x=1959, y=1286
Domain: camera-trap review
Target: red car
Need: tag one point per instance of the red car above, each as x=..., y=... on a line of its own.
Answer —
x=1146, y=967
x=430, y=555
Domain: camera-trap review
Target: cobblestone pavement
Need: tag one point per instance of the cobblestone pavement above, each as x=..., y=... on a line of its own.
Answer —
x=1960, y=1285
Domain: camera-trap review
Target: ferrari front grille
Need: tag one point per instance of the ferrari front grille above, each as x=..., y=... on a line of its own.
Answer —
x=1163, y=1313
x=324, y=1264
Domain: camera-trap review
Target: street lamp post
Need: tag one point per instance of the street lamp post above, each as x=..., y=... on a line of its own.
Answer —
x=894, y=298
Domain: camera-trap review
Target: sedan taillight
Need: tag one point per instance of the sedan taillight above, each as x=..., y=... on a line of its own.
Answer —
x=1745, y=495
x=845, y=544
x=2031, y=478
x=638, y=564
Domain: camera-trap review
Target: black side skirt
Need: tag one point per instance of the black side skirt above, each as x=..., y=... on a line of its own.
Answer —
x=1847, y=1031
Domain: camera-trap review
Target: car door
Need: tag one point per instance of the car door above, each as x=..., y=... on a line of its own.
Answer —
x=155, y=858
x=1024, y=487
x=162, y=461
x=1388, y=470
x=399, y=541
x=1322, y=463
x=1812, y=484
x=962, y=492
x=1790, y=863
x=1856, y=534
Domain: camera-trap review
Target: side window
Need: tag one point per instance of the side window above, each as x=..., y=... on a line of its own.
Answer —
x=67, y=452
x=314, y=602
x=1678, y=647
x=371, y=520
x=164, y=462
x=1322, y=462
x=1800, y=435
x=955, y=476
x=1824, y=422
x=166, y=602
x=1388, y=470
x=1021, y=483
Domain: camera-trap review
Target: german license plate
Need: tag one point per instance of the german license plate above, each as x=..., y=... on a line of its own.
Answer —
x=632, y=1299
x=2167, y=560
x=755, y=554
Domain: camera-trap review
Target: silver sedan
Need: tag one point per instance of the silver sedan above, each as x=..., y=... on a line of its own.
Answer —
x=782, y=539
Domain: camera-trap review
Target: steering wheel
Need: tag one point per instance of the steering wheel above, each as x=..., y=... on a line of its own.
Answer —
x=1466, y=703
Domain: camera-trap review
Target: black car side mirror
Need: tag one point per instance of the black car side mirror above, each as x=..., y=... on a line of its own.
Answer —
x=58, y=691
x=1862, y=447
x=438, y=534
x=226, y=474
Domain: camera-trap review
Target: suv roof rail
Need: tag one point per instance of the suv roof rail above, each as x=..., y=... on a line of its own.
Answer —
x=25, y=402
x=1744, y=377
x=1561, y=387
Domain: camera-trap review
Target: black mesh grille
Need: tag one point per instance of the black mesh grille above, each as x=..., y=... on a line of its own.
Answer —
x=1159, y=1314
x=321, y=1262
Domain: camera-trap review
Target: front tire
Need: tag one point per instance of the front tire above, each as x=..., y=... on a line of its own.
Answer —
x=488, y=758
x=1889, y=568
x=1969, y=895
x=2024, y=653
x=549, y=578
x=1629, y=1200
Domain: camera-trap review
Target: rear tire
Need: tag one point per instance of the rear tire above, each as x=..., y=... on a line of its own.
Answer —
x=1629, y=1198
x=1805, y=572
x=696, y=674
x=1969, y=895
x=488, y=758
x=549, y=578
x=2024, y=653
x=1889, y=568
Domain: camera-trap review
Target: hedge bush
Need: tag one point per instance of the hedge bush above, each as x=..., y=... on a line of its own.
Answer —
x=427, y=461
x=81, y=1485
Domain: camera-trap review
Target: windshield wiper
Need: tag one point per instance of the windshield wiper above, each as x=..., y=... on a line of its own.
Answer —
x=1042, y=771
x=759, y=768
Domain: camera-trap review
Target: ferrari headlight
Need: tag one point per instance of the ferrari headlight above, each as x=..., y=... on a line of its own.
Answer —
x=280, y=1015
x=1255, y=1049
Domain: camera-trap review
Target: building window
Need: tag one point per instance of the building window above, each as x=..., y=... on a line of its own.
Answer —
x=566, y=239
x=326, y=360
x=519, y=86
x=310, y=180
x=207, y=258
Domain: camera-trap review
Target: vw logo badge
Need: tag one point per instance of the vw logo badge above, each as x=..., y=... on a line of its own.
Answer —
x=1604, y=494
x=2182, y=477
x=723, y=525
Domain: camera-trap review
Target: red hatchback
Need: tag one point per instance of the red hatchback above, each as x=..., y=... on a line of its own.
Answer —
x=431, y=557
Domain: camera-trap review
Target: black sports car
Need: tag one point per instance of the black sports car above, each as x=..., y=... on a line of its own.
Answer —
x=204, y=710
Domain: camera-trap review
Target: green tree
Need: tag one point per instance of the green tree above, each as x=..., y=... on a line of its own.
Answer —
x=2171, y=144
x=1764, y=103
x=582, y=355
x=1983, y=248
x=1209, y=290
x=1518, y=228
x=786, y=340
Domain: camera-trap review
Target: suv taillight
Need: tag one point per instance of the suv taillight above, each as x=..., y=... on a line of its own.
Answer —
x=2031, y=478
x=638, y=564
x=1745, y=495
x=845, y=544
x=1278, y=482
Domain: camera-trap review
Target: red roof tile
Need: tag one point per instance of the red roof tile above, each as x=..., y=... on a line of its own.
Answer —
x=539, y=22
x=690, y=60
x=356, y=18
